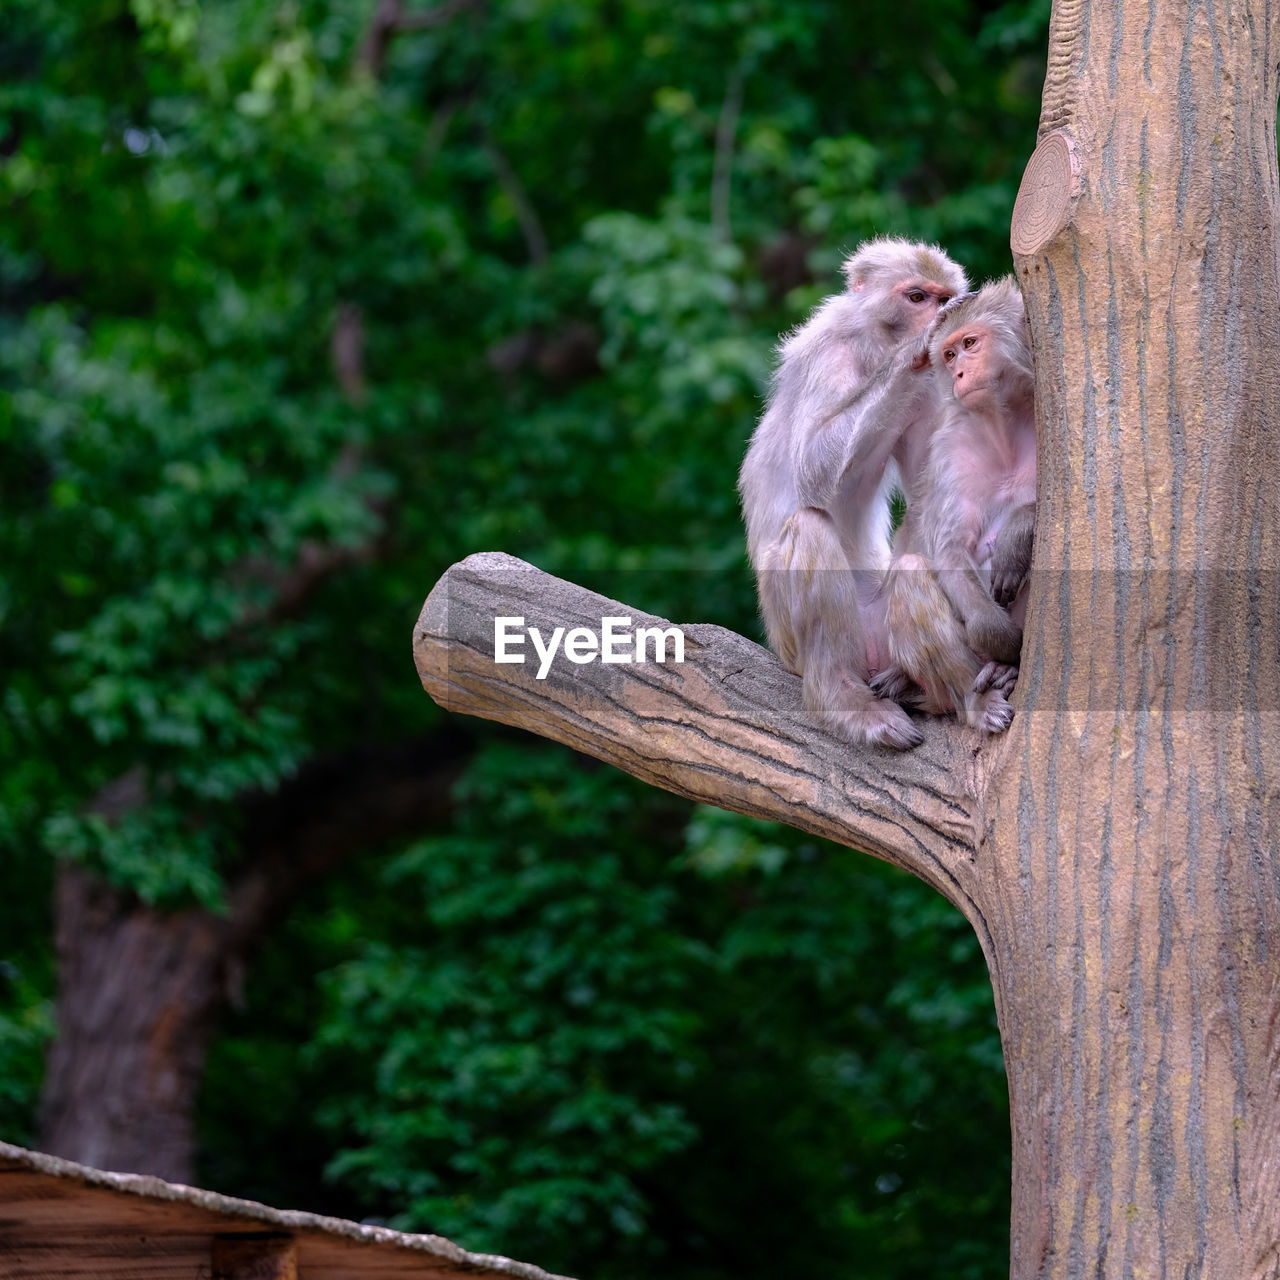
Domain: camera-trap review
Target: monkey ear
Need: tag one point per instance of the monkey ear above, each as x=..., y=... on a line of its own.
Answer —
x=854, y=272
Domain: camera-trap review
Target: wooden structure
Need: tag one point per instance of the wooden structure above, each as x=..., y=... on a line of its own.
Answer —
x=67, y=1220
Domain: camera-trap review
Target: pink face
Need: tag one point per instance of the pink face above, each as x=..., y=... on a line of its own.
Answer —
x=967, y=354
x=919, y=299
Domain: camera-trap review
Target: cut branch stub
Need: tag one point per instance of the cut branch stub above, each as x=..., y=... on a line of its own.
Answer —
x=1046, y=195
x=725, y=726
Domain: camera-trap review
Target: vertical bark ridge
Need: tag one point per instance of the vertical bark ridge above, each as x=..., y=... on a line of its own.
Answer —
x=1141, y=882
x=1117, y=46
x=1195, y=1138
x=1147, y=32
x=1068, y=45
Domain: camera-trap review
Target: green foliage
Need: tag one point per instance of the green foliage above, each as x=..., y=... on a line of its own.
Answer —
x=570, y=1023
x=26, y=1027
x=170, y=510
x=568, y=1028
x=521, y=1033
x=851, y=1035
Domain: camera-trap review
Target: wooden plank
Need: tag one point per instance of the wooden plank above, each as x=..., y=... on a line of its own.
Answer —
x=254, y=1257
x=66, y=1220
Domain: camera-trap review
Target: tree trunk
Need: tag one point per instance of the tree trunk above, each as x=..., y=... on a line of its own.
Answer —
x=1134, y=894
x=140, y=990
x=138, y=993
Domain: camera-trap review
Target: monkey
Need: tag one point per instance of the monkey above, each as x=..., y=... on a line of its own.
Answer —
x=956, y=586
x=850, y=410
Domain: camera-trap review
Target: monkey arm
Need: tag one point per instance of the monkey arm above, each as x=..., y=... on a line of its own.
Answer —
x=726, y=726
x=991, y=633
x=1011, y=554
x=989, y=630
x=847, y=452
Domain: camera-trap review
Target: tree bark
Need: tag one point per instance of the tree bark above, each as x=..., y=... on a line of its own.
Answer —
x=1118, y=850
x=140, y=990
x=136, y=997
x=1134, y=888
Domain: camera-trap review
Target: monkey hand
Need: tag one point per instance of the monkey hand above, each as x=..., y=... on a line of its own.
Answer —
x=918, y=358
x=894, y=683
x=943, y=314
x=1006, y=582
x=1011, y=556
x=1001, y=676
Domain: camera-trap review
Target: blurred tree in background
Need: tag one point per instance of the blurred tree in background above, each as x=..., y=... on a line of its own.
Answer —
x=299, y=303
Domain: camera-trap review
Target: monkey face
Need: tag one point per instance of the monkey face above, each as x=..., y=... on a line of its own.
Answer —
x=969, y=355
x=979, y=349
x=913, y=303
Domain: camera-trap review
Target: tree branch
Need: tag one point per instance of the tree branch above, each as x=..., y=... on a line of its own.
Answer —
x=535, y=238
x=347, y=351
x=373, y=47
x=726, y=726
x=722, y=169
x=424, y=19
x=390, y=20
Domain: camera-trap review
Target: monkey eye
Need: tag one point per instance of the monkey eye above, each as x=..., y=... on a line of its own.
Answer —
x=944, y=298
x=948, y=355
x=916, y=295
x=968, y=342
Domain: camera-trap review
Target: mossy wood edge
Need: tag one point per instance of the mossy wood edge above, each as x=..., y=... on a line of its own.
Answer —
x=62, y=1218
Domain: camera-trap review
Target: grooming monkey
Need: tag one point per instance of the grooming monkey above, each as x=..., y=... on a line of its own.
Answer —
x=851, y=410
x=964, y=549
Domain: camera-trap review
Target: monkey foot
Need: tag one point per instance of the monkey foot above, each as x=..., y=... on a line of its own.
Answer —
x=885, y=724
x=989, y=711
x=894, y=683
x=996, y=675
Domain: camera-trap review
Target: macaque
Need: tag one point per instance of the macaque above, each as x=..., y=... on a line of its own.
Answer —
x=851, y=410
x=955, y=590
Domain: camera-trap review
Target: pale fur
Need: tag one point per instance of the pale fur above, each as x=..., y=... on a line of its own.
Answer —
x=846, y=418
x=972, y=524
